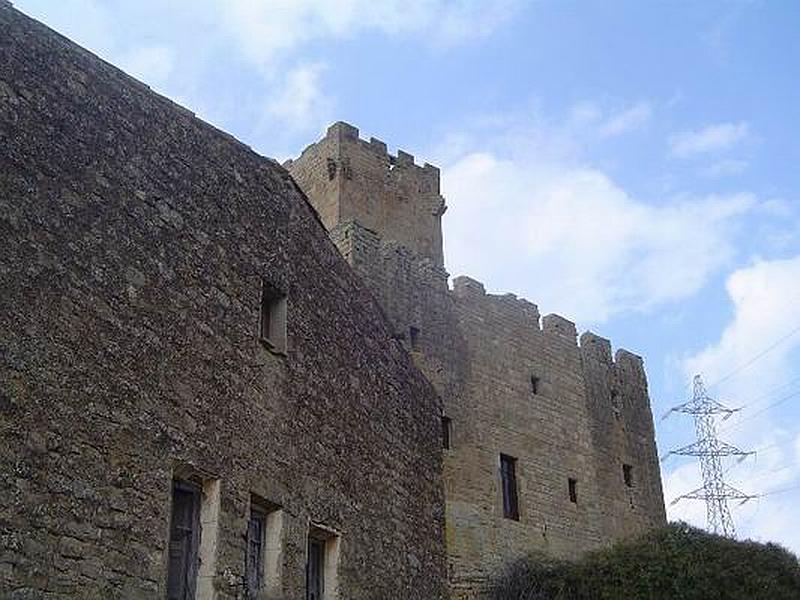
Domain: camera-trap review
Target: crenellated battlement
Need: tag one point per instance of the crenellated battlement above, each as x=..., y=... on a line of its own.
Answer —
x=345, y=132
x=512, y=382
x=592, y=346
x=350, y=178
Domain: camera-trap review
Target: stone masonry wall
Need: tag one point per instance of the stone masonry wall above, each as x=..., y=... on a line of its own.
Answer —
x=390, y=195
x=134, y=239
x=589, y=416
x=560, y=432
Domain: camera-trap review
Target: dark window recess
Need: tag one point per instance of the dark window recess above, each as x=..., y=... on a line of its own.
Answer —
x=254, y=560
x=535, y=384
x=508, y=475
x=573, y=490
x=627, y=475
x=616, y=405
x=331, y=164
x=447, y=425
x=272, y=325
x=413, y=334
x=315, y=568
x=184, y=541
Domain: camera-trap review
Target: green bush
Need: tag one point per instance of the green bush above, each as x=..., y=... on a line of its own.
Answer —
x=677, y=562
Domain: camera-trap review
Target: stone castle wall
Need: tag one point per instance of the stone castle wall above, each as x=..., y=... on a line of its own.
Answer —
x=590, y=414
x=134, y=242
x=390, y=195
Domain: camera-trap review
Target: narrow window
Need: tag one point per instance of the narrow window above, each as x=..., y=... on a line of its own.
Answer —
x=254, y=560
x=573, y=490
x=446, y=431
x=535, y=384
x=184, y=541
x=322, y=564
x=413, y=333
x=264, y=547
x=627, y=475
x=316, y=568
x=508, y=474
x=272, y=326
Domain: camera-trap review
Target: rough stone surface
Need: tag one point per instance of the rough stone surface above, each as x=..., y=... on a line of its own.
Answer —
x=589, y=416
x=133, y=242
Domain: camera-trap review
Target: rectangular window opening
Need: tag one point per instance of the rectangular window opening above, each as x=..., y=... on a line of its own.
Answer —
x=573, y=490
x=322, y=564
x=413, y=334
x=192, y=547
x=535, y=384
x=447, y=425
x=184, y=541
x=508, y=475
x=264, y=549
x=272, y=323
x=627, y=475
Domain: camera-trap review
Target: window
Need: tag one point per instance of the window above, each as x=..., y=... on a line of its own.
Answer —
x=315, y=584
x=254, y=559
x=535, y=384
x=508, y=475
x=573, y=490
x=264, y=546
x=194, y=520
x=413, y=334
x=627, y=475
x=272, y=326
x=322, y=564
x=184, y=541
x=446, y=431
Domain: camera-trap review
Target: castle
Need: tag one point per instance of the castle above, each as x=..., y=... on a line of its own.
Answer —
x=548, y=445
x=224, y=378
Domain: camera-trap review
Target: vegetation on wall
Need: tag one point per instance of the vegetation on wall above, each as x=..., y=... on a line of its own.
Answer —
x=676, y=562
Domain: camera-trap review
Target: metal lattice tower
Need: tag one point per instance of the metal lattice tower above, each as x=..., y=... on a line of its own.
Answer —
x=710, y=450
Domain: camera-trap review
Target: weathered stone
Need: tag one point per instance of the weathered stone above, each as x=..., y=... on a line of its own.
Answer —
x=133, y=242
x=588, y=416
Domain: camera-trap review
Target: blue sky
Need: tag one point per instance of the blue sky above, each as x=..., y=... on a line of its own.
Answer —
x=631, y=165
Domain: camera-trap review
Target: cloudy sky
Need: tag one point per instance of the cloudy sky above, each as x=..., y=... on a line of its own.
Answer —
x=632, y=165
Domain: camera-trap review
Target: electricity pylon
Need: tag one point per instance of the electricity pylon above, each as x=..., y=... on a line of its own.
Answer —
x=710, y=450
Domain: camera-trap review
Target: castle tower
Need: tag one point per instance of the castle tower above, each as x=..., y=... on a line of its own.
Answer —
x=349, y=179
x=548, y=442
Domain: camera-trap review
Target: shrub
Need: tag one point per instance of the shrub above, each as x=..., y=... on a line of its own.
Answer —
x=677, y=562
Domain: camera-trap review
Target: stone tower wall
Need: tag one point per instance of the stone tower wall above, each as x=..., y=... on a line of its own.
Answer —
x=390, y=195
x=589, y=416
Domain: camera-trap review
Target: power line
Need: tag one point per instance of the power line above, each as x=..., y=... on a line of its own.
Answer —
x=778, y=402
x=781, y=491
x=766, y=395
x=756, y=357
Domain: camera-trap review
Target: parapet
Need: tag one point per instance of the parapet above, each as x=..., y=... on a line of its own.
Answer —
x=464, y=287
x=558, y=325
x=523, y=311
x=630, y=363
x=345, y=131
x=596, y=347
x=341, y=130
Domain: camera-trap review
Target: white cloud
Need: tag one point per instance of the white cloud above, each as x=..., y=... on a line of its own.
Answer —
x=754, y=361
x=712, y=138
x=766, y=301
x=301, y=104
x=725, y=168
x=567, y=236
x=628, y=120
x=267, y=27
x=152, y=64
